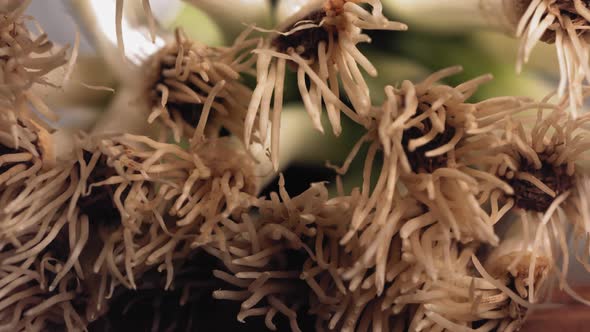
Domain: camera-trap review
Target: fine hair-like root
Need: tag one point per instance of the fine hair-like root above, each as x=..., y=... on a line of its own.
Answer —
x=27, y=57
x=197, y=89
x=563, y=23
x=320, y=44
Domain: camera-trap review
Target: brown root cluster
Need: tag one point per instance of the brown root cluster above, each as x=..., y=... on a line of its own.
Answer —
x=564, y=23
x=27, y=57
x=530, y=197
x=305, y=42
x=320, y=43
x=125, y=228
x=195, y=88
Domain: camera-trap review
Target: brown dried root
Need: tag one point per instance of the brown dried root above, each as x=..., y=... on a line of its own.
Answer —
x=408, y=287
x=38, y=231
x=511, y=260
x=458, y=300
x=320, y=41
x=185, y=306
x=427, y=134
x=161, y=201
x=438, y=130
x=542, y=163
x=26, y=58
x=412, y=290
x=29, y=209
x=338, y=301
x=539, y=162
x=565, y=23
x=20, y=157
x=196, y=90
x=222, y=180
x=266, y=254
x=122, y=182
x=375, y=245
x=41, y=288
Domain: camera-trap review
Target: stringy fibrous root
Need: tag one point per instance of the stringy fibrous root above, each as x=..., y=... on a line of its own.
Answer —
x=49, y=211
x=42, y=285
x=429, y=195
x=31, y=194
x=187, y=305
x=523, y=252
x=410, y=298
x=431, y=140
x=42, y=239
x=344, y=281
x=128, y=205
x=26, y=58
x=466, y=296
x=197, y=90
x=20, y=157
x=266, y=254
x=564, y=23
x=181, y=227
x=541, y=157
x=319, y=42
x=152, y=203
x=539, y=161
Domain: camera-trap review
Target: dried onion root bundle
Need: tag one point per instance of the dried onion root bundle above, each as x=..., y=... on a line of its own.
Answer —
x=510, y=262
x=197, y=90
x=413, y=292
x=45, y=291
x=404, y=225
x=563, y=22
x=54, y=229
x=26, y=58
x=266, y=252
x=163, y=202
x=124, y=180
x=460, y=300
x=428, y=134
x=344, y=281
x=438, y=130
x=412, y=300
x=40, y=240
x=221, y=182
x=185, y=306
x=542, y=164
x=320, y=42
x=374, y=244
x=20, y=157
x=34, y=188
x=30, y=220
x=167, y=201
x=43, y=242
